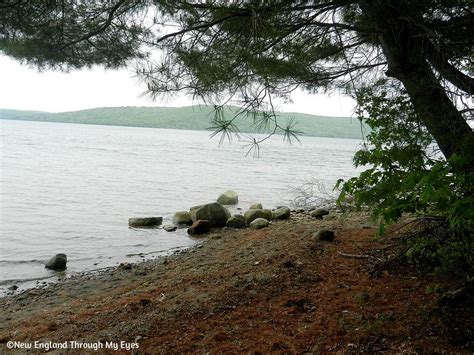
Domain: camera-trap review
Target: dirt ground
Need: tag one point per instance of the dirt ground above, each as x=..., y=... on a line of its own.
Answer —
x=274, y=290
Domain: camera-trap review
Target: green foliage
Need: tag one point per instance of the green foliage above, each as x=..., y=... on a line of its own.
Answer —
x=406, y=174
x=444, y=249
x=72, y=34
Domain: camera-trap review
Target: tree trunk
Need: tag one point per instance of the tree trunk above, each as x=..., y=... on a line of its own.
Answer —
x=437, y=112
x=403, y=48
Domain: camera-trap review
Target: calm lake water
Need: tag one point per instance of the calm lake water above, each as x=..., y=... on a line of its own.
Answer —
x=69, y=188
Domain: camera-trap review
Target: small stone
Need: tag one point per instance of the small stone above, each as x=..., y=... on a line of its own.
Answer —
x=200, y=227
x=170, y=227
x=57, y=262
x=318, y=213
x=13, y=288
x=145, y=302
x=324, y=235
x=145, y=221
x=125, y=266
x=259, y=223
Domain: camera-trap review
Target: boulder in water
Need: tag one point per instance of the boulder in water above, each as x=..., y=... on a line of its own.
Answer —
x=228, y=198
x=145, y=222
x=57, y=262
x=182, y=218
x=212, y=212
x=256, y=206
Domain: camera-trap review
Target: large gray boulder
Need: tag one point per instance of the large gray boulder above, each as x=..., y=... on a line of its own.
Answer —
x=57, y=262
x=145, y=222
x=282, y=212
x=212, y=212
x=253, y=214
x=228, y=198
x=200, y=227
x=182, y=217
x=236, y=221
x=259, y=223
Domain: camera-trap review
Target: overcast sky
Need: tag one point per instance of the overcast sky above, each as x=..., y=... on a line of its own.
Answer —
x=24, y=88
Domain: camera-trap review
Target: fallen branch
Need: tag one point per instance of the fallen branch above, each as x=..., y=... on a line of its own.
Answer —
x=353, y=256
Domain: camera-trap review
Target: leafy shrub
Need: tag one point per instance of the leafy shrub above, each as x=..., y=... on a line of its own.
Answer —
x=407, y=174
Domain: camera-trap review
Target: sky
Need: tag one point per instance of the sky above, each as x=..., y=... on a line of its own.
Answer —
x=24, y=88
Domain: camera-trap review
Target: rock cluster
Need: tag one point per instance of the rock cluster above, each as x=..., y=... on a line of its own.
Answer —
x=200, y=219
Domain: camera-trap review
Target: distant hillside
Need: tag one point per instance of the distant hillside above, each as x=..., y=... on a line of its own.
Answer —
x=190, y=117
x=7, y=114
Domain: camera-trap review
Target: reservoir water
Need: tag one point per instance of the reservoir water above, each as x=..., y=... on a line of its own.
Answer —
x=70, y=188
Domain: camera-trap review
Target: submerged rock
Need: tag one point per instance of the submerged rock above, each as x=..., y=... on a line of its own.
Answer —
x=57, y=262
x=182, y=217
x=200, y=227
x=228, y=198
x=170, y=227
x=259, y=223
x=256, y=206
x=212, y=212
x=145, y=221
x=282, y=212
x=253, y=214
x=236, y=221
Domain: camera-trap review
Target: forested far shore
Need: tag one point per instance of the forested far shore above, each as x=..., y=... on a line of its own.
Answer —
x=197, y=117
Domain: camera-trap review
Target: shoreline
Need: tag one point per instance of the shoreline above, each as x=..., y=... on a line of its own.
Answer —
x=275, y=289
x=25, y=285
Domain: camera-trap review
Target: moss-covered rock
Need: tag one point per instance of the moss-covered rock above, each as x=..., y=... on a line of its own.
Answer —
x=228, y=198
x=253, y=214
